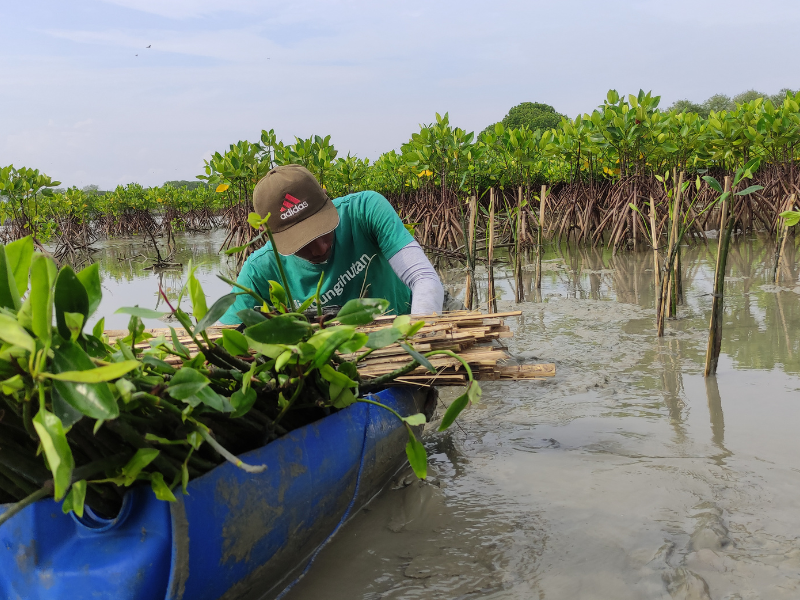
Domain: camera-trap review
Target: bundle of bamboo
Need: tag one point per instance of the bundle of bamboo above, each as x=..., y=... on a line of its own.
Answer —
x=469, y=334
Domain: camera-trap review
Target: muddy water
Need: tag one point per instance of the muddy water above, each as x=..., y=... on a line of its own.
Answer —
x=628, y=475
x=126, y=280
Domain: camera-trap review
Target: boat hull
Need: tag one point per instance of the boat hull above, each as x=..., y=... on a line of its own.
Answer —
x=236, y=535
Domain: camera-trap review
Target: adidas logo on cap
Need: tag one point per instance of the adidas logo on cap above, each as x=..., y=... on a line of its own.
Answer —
x=291, y=206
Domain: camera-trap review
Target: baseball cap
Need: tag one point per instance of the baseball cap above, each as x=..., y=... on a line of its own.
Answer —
x=300, y=210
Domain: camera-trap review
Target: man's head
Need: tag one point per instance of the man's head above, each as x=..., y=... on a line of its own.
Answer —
x=302, y=217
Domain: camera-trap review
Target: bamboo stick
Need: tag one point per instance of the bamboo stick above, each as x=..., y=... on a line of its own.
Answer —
x=520, y=296
x=672, y=307
x=654, y=235
x=491, y=301
x=666, y=282
x=715, y=324
x=542, y=206
x=470, y=252
x=780, y=257
x=540, y=236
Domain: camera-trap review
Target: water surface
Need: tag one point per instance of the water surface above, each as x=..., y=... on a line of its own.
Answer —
x=627, y=476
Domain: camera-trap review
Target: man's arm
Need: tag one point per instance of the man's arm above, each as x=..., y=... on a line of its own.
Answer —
x=415, y=270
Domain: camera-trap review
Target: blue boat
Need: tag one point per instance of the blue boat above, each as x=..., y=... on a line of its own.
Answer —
x=236, y=535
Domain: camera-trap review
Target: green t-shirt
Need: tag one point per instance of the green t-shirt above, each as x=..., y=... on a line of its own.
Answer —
x=368, y=235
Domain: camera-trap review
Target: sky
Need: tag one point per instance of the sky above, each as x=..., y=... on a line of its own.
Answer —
x=110, y=92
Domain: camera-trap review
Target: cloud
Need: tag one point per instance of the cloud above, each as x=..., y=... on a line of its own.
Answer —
x=189, y=9
x=368, y=73
x=231, y=45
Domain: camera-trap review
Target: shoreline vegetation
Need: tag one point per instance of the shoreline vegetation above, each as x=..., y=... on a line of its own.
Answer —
x=600, y=171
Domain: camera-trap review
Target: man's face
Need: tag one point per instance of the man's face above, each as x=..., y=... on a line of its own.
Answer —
x=318, y=250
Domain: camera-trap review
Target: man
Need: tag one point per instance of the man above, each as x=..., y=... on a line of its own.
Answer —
x=358, y=241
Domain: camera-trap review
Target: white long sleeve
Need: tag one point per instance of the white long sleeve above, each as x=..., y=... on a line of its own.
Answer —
x=415, y=270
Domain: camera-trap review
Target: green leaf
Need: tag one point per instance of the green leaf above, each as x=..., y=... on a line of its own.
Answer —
x=235, y=342
x=142, y=313
x=92, y=399
x=330, y=344
x=98, y=374
x=56, y=448
x=90, y=278
x=268, y=350
x=142, y=458
x=187, y=382
x=713, y=183
x=159, y=365
x=9, y=295
x=251, y=317
x=215, y=313
x=355, y=343
x=283, y=329
x=12, y=332
x=195, y=439
x=360, y=311
x=74, y=323
x=455, y=408
x=211, y=399
x=99, y=328
x=418, y=357
x=791, y=217
x=19, y=255
x=750, y=190
x=417, y=457
x=125, y=389
x=412, y=331
x=285, y=358
x=472, y=394
x=184, y=478
x=197, y=295
x=255, y=220
x=69, y=296
x=402, y=322
x=150, y=437
x=12, y=384
x=383, y=337
x=414, y=420
x=328, y=373
x=75, y=498
x=350, y=370
x=235, y=249
x=277, y=295
x=68, y=415
x=341, y=397
x=176, y=343
x=242, y=402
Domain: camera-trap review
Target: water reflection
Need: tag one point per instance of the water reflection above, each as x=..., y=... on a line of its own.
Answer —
x=609, y=475
x=717, y=418
x=127, y=281
x=759, y=317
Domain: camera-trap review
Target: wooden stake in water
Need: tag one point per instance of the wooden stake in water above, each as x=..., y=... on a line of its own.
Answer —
x=672, y=306
x=780, y=255
x=491, y=300
x=540, y=237
x=517, y=250
x=665, y=300
x=469, y=297
x=656, y=266
x=715, y=325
